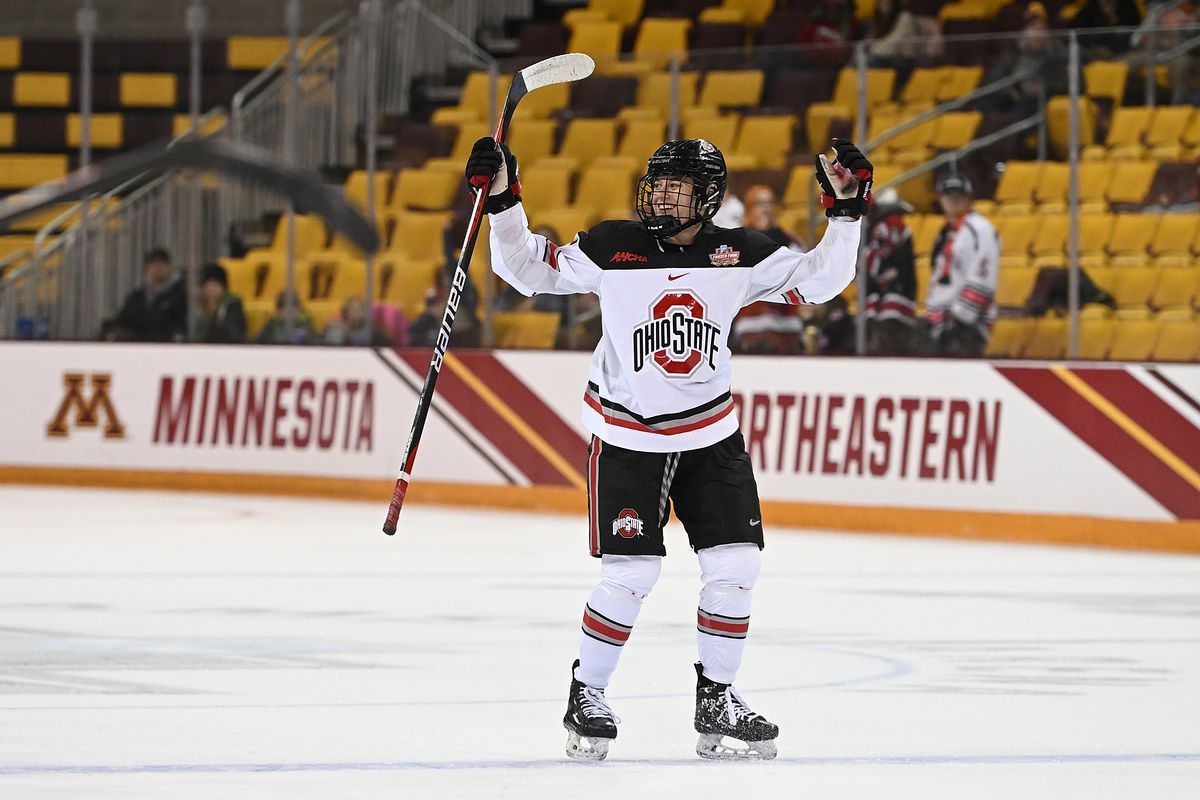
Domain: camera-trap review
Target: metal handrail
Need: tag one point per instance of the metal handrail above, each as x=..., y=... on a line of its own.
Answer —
x=484, y=58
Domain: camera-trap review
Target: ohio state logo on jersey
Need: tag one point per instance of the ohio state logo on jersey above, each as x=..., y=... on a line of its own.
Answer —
x=677, y=338
x=627, y=524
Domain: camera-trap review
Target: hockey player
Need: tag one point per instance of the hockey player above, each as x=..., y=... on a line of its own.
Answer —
x=659, y=407
x=960, y=306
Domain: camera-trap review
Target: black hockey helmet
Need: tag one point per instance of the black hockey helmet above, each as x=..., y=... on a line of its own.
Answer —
x=696, y=159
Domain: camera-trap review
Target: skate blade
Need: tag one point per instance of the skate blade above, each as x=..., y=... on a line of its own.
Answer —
x=712, y=746
x=586, y=748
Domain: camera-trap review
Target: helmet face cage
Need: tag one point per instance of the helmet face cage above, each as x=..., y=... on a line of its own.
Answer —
x=701, y=165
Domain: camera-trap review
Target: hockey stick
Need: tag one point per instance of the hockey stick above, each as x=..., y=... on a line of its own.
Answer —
x=305, y=188
x=558, y=69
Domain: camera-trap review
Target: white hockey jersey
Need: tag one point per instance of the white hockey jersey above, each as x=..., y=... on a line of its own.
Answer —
x=966, y=269
x=660, y=377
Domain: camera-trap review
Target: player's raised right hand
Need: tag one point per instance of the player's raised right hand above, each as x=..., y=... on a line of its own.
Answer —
x=499, y=165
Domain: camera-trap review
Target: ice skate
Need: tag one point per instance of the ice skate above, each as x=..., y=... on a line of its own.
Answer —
x=722, y=713
x=590, y=723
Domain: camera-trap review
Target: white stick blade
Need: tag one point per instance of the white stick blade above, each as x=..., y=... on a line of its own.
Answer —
x=557, y=69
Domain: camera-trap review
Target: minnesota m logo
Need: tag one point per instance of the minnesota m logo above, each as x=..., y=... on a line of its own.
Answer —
x=87, y=411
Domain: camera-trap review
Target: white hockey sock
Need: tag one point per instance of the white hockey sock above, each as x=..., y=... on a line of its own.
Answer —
x=728, y=573
x=610, y=613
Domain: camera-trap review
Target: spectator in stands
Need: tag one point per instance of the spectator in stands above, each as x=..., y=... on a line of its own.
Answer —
x=1100, y=14
x=1170, y=18
x=767, y=327
x=289, y=324
x=731, y=213
x=960, y=308
x=156, y=312
x=220, y=318
x=829, y=328
x=901, y=39
x=1040, y=58
x=828, y=31
x=424, y=329
x=466, y=322
x=355, y=328
x=891, y=278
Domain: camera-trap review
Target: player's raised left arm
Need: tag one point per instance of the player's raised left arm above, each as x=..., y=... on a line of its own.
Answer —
x=822, y=273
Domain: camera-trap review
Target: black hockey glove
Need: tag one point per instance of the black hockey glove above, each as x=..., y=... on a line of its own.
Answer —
x=845, y=184
x=500, y=166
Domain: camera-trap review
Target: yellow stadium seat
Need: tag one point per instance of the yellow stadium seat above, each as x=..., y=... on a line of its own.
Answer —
x=468, y=134
x=1191, y=137
x=350, y=278
x=426, y=189
x=958, y=81
x=955, y=129
x=258, y=313
x=1129, y=181
x=925, y=228
x=474, y=103
x=10, y=52
x=1050, y=191
x=751, y=13
x=269, y=271
x=1124, y=139
x=1014, y=287
x=625, y=12
x=1106, y=79
x=531, y=140
x=588, y=139
x=731, y=89
x=254, y=52
x=1172, y=243
x=107, y=131
x=565, y=222
x=322, y=312
x=1009, y=337
x=42, y=89
x=182, y=123
x=525, y=329
x=1104, y=276
x=1017, y=183
x=766, y=139
x=642, y=137
x=314, y=273
x=1135, y=286
x=1093, y=183
x=310, y=235
x=1048, y=340
x=1051, y=236
x=844, y=104
x=242, y=277
x=1177, y=288
x=1177, y=341
x=21, y=170
x=8, y=131
x=148, y=90
x=419, y=234
x=356, y=185
x=545, y=102
x=605, y=186
x=655, y=88
x=1095, y=232
x=720, y=130
x=922, y=85
x=547, y=184
x=1164, y=136
x=1096, y=337
x=800, y=186
x=600, y=40
x=1131, y=235
x=406, y=280
x=661, y=39
x=1135, y=340
x=1016, y=234
x=1058, y=122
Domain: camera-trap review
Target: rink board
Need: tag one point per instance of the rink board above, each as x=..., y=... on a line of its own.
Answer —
x=1085, y=453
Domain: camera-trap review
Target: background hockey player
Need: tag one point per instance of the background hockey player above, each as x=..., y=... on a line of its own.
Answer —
x=659, y=407
x=960, y=307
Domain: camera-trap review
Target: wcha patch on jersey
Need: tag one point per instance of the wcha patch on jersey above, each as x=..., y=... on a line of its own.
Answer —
x=677, y=338
x=627, y=524
x=725, y=256
x=624, y=256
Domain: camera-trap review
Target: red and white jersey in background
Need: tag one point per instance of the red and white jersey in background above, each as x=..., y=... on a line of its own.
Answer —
x=966, y=268
x=660, y=377
x=891, y=271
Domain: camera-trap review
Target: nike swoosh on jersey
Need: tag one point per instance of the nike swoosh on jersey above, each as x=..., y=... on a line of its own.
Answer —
x=677, y=277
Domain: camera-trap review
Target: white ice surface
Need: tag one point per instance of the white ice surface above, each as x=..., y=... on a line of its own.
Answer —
x=193, y=646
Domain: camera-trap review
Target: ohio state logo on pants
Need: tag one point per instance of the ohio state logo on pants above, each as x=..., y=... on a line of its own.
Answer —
x=627, y=524
x=677, y=338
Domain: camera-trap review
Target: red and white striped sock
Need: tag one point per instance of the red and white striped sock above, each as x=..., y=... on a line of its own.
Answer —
x=723, y=617
x=610, y=613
